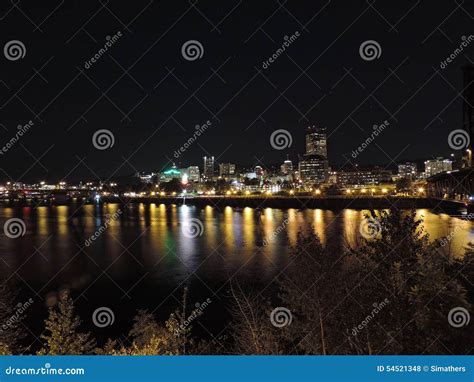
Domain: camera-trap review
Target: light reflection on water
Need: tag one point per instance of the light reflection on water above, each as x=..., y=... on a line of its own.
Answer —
x=147, y=241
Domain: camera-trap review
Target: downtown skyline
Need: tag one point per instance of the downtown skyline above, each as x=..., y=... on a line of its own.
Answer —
x=144, y=91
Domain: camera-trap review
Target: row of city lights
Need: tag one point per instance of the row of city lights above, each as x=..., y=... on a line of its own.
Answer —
x=291, y=192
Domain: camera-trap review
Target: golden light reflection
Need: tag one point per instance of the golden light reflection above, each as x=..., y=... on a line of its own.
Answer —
x=292, y=227
x=228, y=229
x=43, y=213
x=210, y=229
x=62, y=220
x=319, y=226
x=248, y=230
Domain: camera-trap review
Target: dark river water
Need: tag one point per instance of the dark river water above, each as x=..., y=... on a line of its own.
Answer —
x=142, y=256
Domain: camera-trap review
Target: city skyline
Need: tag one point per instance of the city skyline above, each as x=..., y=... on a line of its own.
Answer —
x=239, y=178
x=150, y=97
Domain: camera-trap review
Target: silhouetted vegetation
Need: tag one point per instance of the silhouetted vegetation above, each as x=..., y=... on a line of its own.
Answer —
x=391, y=294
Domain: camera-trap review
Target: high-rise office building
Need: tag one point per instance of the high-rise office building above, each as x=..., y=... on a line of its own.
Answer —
x=316, y=141
x=314, y=166
x=226, y=169
x=208, y=170
x=287, y=167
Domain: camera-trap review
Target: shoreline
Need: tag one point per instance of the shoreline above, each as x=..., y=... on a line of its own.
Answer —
x=300, y=202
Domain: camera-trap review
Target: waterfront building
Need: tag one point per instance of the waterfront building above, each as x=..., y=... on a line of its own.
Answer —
x=437, y=166
x=209, y=167
x=171, y=173
x=364, y=177
x=313, y=168
x=193, y=173
x=407, y=170
x=226, y=170
x=287, y=167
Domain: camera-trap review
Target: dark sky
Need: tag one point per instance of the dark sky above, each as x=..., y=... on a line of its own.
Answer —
x=151, y=98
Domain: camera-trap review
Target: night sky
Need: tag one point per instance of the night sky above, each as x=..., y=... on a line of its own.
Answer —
x=151, y=98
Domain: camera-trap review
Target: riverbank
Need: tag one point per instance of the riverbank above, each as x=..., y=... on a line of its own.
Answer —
x=281, y=202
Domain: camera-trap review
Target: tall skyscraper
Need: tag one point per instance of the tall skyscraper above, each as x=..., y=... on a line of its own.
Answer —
x=314, y=167
x=316, y=141
x=208, y=170
x=287, y=167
